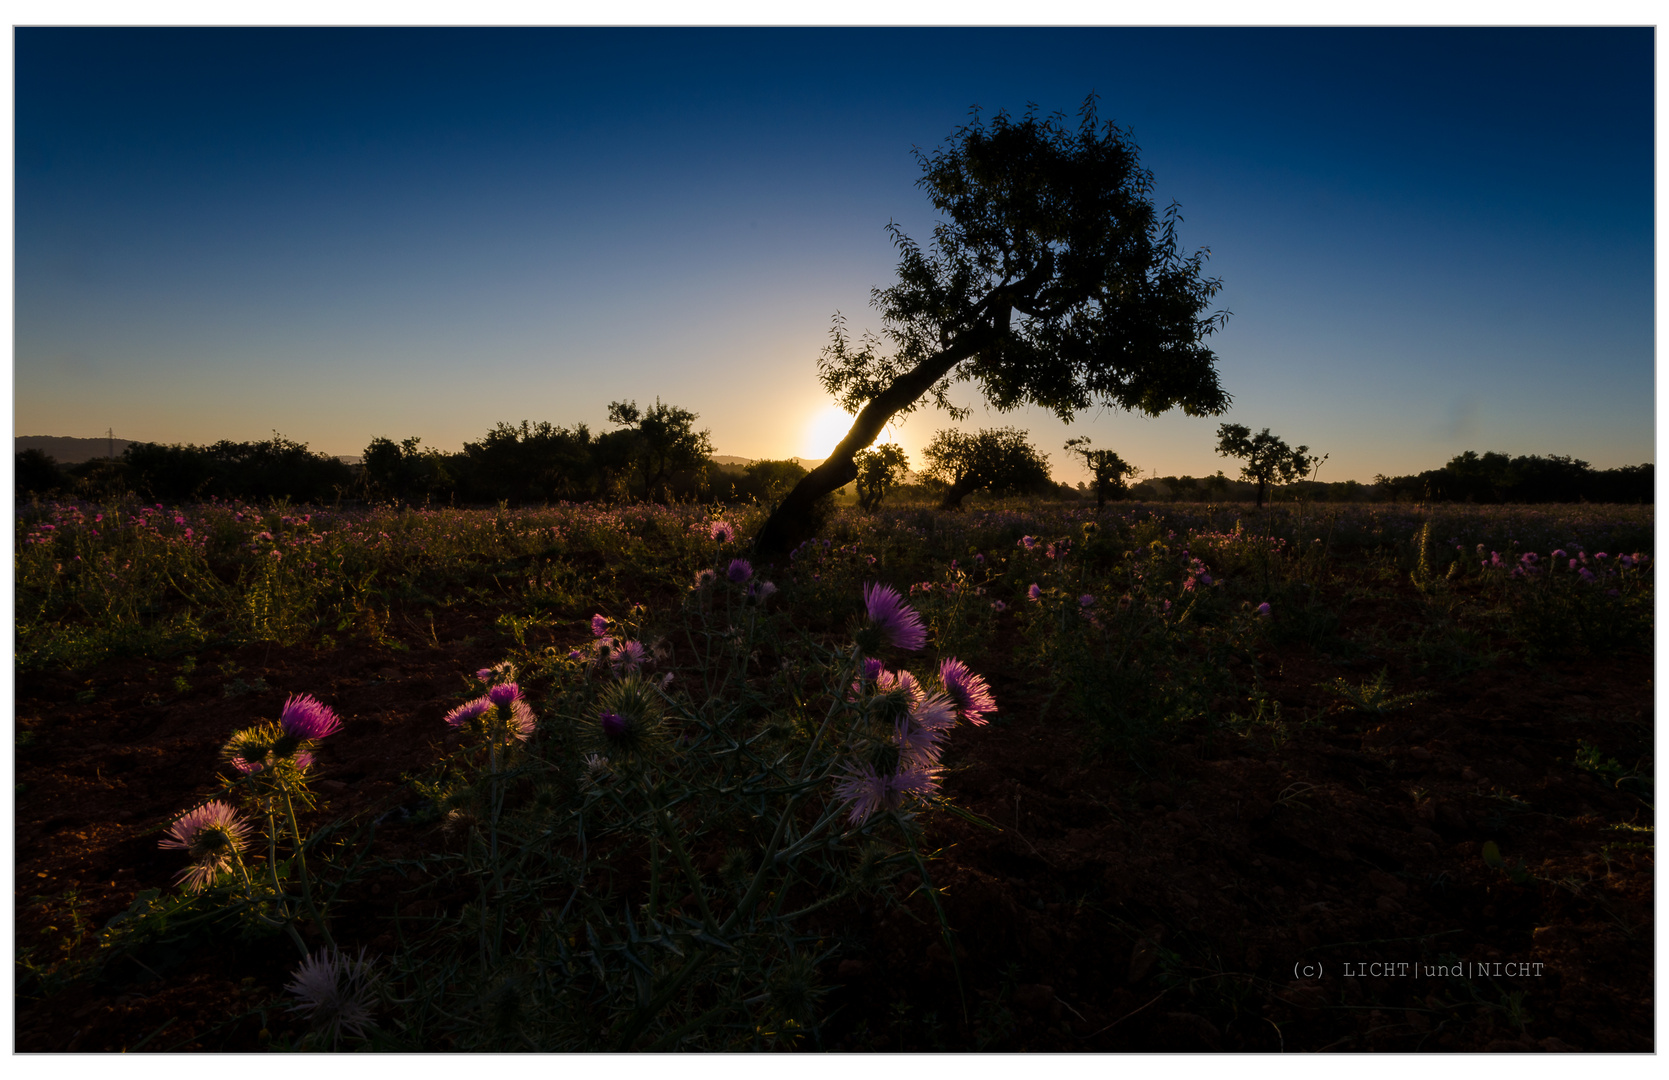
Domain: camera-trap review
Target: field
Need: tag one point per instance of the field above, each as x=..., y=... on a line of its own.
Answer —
x=1306, y=778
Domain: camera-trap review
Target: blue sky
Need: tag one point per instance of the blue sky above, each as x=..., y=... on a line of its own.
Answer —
x=1430, y=240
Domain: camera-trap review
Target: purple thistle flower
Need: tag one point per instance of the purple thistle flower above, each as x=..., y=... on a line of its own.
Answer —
x=629, y=653
x=1027, y=542
x=918, y=745
x=1558, y=553
x=934, y=712
x=869, y=791
x=998, y=606
x=721, y=531
x=1086, y=600
x=895, y=619
x=613, y=725
x=1585, y=574
x=484, y=674
x=305, y=717
x=599, y=626
x=968, y=691
x=1034, y=593
x=740, y=570
x=212, y=835
x=704, y=578
x=504, y=694
x=468, y=711
x=335, y=992
x=1262, y=609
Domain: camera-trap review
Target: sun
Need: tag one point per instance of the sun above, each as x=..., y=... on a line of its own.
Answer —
x=824, y=430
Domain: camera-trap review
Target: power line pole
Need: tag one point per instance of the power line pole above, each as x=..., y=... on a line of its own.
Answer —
x=111, y=434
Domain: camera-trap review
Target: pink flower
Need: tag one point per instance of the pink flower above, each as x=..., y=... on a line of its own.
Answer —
x=969, y=692
x=895, y=619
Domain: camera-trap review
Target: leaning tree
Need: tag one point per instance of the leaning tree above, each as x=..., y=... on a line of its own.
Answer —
x=1051, y=280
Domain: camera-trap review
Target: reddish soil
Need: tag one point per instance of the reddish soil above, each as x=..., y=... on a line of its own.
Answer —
x=1226, y=894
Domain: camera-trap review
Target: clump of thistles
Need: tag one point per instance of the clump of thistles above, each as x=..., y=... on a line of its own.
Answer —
x=502, y=712
x=284, y=749
x=335, y=992
x=213, y=835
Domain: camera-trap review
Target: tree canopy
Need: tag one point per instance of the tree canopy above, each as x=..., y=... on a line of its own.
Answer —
x=1107, y=467
x=999, y=460
x=1268, y=458
x=880, y=472
x=1051, y=280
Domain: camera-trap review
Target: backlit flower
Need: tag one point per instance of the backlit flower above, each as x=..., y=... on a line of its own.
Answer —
x=213, y=835
x=1034, y=593
x=896, y=620
x=468, y=711
x=869, y=791
x=1262, y=609
x=969, y=692
x=721, y=531
x=305, y=717
x=599, y=625
x=739, y=571
x=335, y=992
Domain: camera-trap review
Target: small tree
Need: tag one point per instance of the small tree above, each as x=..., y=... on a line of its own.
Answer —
x=998, y=460
x=1052, y=281
x=1109, y=469
x=1268, y=458
x=664, y=442
x=880, y=471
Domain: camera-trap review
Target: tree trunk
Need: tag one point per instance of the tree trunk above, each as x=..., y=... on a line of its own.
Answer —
x=957, y=492
x=792, y=522
x=1261, y=483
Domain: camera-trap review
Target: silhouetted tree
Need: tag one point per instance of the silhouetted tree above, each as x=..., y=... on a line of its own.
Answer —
x=530, y=463
x=1107, y=467
x=38, y=473
x=1052, y=280
x=998, y=460
x=663, y=441
x=880, y=471
x=1268, y=458
x=407, y=470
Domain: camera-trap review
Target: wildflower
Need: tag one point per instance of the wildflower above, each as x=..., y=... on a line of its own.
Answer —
x=305, y=717
x=761, y=591
x=466, y=712
x=1262, y=610
x=1558, y=553
x=969, y=692
x=1086, y=600
x=213, y=835
x=895, y=620
x=599, y=626
x=1586, y=574
x=703, y=579
x=721, y=531
x=740, y=570
x=1027, y=542
x=575, y=654
x=335, y=992
x=628, y=653
x=1034, y=593
x=869, y=790
x=628, y=718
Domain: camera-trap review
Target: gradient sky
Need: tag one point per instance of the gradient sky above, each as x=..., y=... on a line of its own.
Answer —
x=1430, y=240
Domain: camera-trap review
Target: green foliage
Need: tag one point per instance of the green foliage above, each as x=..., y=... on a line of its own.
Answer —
x=1374, y=697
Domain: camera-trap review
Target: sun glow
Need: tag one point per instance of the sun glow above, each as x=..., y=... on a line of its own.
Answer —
x=824, y=430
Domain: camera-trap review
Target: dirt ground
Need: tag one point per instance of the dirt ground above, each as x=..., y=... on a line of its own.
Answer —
x=1318, y=888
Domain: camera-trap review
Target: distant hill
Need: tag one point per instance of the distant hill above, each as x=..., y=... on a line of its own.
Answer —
x=66, y=450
